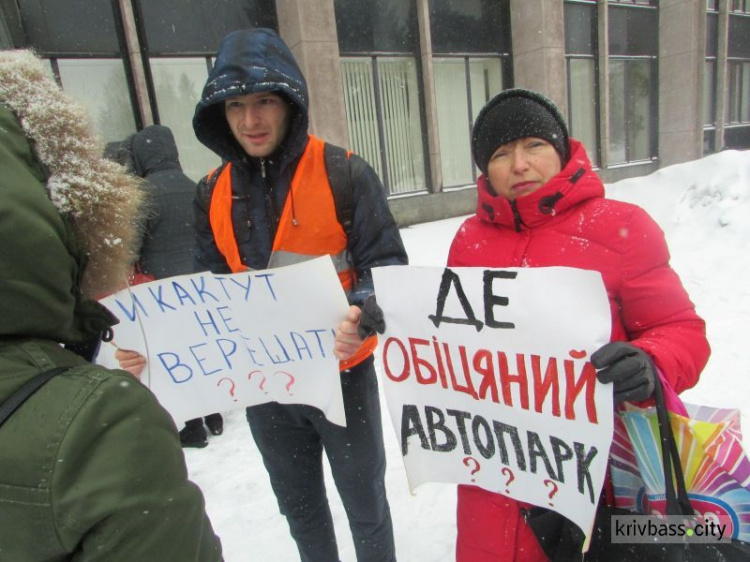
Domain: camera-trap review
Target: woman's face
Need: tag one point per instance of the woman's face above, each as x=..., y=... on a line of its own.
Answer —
x=522, y=166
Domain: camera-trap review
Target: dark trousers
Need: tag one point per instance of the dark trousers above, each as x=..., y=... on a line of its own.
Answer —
x=292, y=438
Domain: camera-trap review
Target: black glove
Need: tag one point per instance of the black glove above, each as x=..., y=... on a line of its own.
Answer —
x=629, y=368
x=371, y=320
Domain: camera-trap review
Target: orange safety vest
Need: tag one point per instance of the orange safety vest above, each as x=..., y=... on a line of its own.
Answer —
x=317, y=233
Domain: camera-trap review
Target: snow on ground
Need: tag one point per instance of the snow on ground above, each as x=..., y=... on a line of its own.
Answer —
x=704, y=209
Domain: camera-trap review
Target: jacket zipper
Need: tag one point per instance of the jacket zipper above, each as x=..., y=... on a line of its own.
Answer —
x=517, y=221
x=273, y=217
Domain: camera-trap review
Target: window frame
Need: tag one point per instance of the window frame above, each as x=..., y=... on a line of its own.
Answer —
x=54, y=57
x=653, y=99
x=383, y=164
x=738, y=97
x=595, y=152
x=503, y=60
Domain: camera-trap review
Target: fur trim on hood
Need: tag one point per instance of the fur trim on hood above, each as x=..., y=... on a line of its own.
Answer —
x=97, y=197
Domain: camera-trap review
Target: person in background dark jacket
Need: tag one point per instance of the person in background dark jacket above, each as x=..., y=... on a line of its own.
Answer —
x=169, y=239
x=168, y=246
x=91, y=468
x=253, y=113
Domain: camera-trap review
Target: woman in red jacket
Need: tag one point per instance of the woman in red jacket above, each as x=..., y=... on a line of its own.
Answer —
x=541, y=205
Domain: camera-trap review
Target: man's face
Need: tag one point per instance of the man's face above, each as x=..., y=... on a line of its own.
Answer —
x=258, y=121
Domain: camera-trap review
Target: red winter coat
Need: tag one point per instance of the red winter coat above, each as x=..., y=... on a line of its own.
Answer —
x=568, y=222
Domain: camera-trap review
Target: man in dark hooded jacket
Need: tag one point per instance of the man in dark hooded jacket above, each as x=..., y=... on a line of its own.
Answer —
x=270, y=206
x=168, y=246
x=91, y=468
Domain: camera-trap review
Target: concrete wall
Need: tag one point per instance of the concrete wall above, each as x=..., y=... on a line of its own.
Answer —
x=309, y=28
x=612, y=175
x=428, y=207
x=682, y=52
x=435, y=184
x=538, y=30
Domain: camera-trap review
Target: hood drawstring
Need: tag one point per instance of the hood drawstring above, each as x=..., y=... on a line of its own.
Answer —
x=291, y=199
x=578, y=175
x=487, y=208
x=547, y=204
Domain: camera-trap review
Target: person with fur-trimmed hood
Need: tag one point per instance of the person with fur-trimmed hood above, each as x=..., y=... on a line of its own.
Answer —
x=541, y=205
x=91, y=465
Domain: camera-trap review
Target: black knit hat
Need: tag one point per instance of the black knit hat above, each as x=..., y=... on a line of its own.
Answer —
x=516, y=114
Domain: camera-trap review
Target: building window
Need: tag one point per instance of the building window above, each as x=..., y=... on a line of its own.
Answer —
x=81, y=41
x=470, y=26
x=370, y=26
x=635, y=2
x=633, y=83
x=177, y=84
x=710, y=78
x=709, y=93
x=101, y=86
x=740, y=6
x=378, y=40
x=471, y=46
x=738, y=109
x=581, y=47
x=631, y=115
x=737, y=131
x=463, y=85
x=383, y=118
x=191, y=27
x=69, y=27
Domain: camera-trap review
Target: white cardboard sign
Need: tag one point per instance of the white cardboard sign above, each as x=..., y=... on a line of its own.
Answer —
x=221, y=342
x=488, y=380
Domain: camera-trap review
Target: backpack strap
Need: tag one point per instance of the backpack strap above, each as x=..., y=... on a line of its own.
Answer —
x=20, y=396
x=339, y=176
x=213, y=176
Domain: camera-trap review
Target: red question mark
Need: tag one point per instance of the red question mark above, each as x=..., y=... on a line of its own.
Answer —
x=291, y=380
x=262, y=382
x=553, y=487
x=231, y=387
x=468, y=461
x=508, y=472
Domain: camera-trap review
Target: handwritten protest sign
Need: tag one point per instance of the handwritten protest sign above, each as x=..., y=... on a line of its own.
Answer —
x=488, y=380
x=220, y=342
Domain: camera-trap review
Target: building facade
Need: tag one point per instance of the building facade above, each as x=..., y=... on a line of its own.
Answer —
x=644, y=83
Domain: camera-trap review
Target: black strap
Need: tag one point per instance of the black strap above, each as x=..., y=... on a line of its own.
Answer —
x=337, y=167
x=211, y=178
x=20, y=396
x=678, y=502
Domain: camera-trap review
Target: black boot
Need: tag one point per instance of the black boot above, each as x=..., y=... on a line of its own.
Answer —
x=194, y=434
x=215, y=424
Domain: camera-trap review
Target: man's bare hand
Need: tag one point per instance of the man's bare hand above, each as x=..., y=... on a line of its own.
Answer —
x=347, y=340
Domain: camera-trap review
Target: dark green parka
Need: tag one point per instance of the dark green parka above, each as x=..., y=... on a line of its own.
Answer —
x=91, y=467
